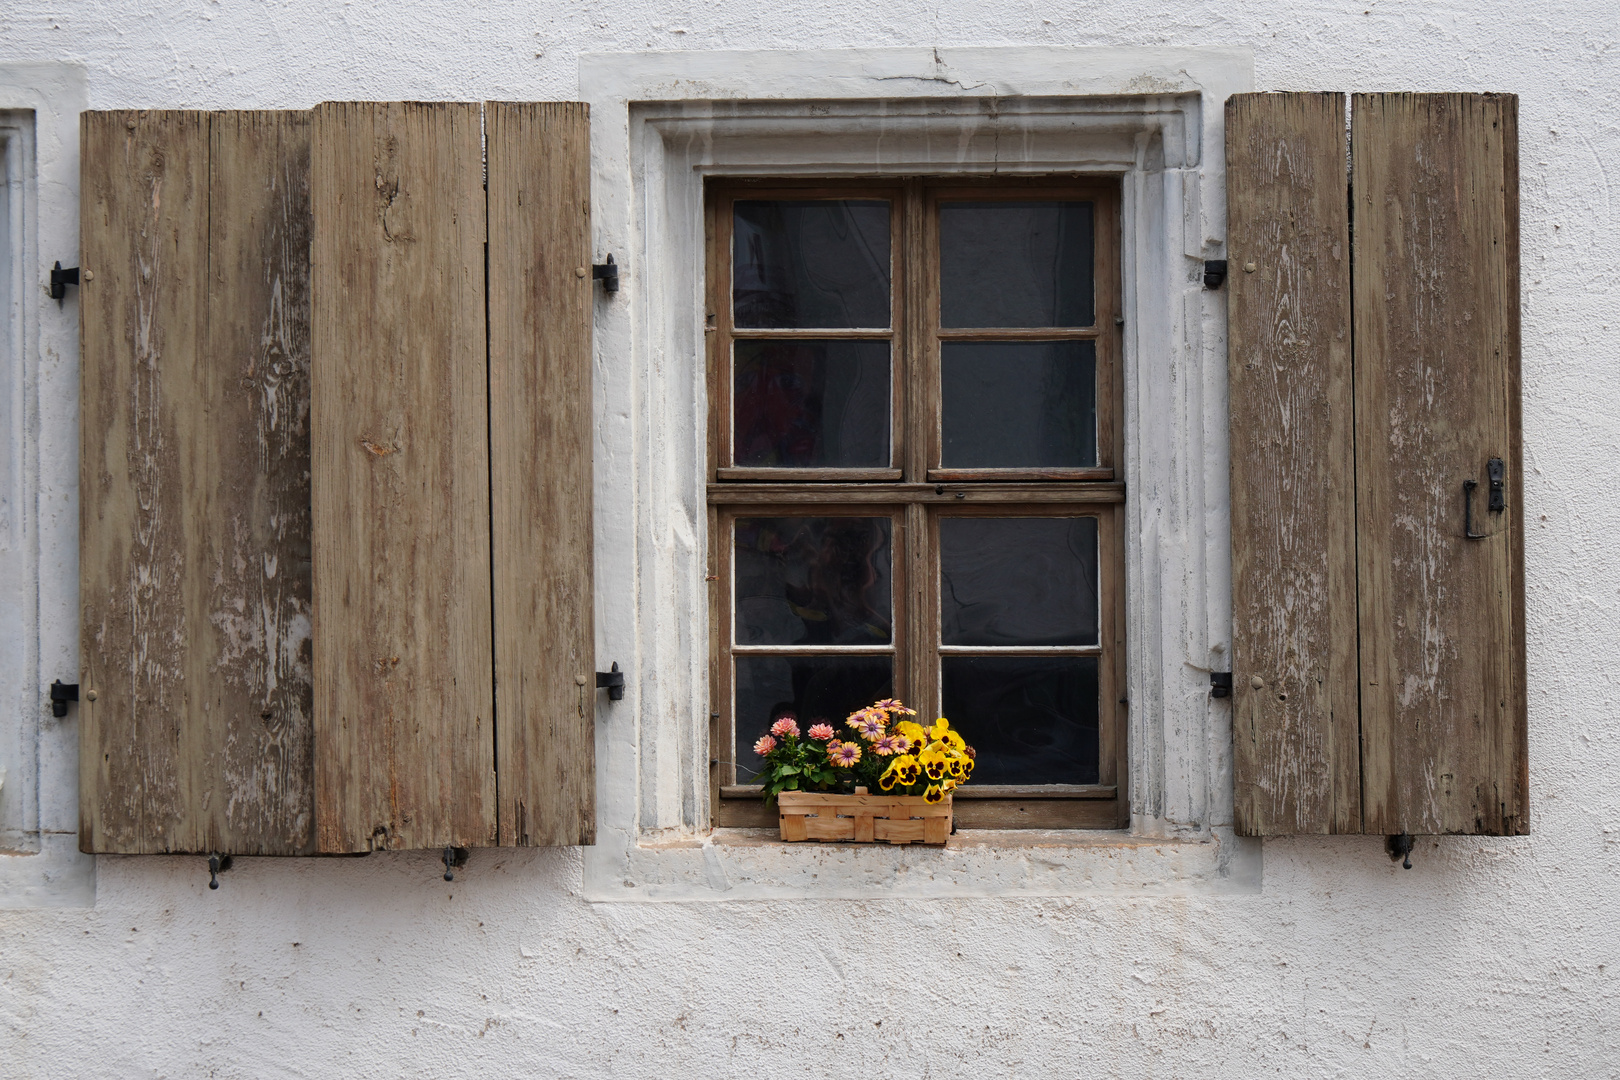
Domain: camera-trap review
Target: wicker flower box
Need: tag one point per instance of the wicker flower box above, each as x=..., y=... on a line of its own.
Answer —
x=863, y=818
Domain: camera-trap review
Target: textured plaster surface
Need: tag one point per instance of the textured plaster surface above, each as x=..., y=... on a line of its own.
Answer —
x=1494, y=957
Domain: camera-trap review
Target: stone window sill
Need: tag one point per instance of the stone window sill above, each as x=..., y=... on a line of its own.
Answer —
x=754, y=864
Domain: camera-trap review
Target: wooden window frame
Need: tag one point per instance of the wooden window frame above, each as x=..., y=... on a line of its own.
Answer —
x=915, y=491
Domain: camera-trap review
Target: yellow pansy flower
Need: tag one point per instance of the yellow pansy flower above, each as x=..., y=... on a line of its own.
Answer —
x=913, y=731
x=933, y=763
x=941, y=726
x=933, y=794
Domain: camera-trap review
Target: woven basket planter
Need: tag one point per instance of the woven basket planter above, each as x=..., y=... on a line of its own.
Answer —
x=862, y=818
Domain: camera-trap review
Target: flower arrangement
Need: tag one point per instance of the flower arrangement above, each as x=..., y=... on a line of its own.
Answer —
x=891, y=752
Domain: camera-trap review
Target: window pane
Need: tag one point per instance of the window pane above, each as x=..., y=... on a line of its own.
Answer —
x=815, y=689
x=1031, y=720
x=1016, y=264
x=822, y=263
x=813, y=581
x=1026, y=404
x=811, y=404
x=1018, y=581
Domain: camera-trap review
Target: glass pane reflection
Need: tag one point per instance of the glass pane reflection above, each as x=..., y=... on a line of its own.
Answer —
x=813, y=581
x=1031, y=720
x=1005, y=264
x=1018, y=581
x=820, y=263
x=1025, y=404
x=811, y=404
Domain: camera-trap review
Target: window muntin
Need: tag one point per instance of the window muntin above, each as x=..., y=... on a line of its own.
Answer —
x=1001, y=445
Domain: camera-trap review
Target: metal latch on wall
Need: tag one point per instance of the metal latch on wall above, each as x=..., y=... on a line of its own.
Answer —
x=1214, y=273
x=1496, y=501
x=1220, y=684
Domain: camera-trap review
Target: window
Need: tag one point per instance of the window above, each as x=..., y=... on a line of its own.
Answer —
x=914, y=451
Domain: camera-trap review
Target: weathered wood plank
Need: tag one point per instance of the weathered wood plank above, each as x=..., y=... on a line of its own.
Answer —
x=540, y=309
x=1444, y=743
x=400, y=473
x=194, y=483
x=1294, y=705
x=258, y=559
x=144, y=243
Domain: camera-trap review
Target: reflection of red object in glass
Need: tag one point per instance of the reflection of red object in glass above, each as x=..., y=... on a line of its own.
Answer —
x=778, y=407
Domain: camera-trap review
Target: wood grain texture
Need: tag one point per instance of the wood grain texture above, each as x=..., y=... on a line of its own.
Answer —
x=1296, y=754
x=1444, y=744
x=195, y=580
x=404, y=707
x=540, y=310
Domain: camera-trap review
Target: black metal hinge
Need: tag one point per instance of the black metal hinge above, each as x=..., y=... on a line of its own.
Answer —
x=612, y=682
x=608, y=274
x=61, y=279
x=61, y=694
x=1220, y=684
x=1214, y=273
x=1494, y=470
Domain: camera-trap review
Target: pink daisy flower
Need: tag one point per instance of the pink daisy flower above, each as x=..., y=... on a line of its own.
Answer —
x=785, y=727
x=888, y=744
x=894, y=705
x=845, y=755
x=902, y=745
x=765, y=745
x=821, y=731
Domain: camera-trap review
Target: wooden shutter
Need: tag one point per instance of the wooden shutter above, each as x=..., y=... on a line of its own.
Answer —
x=1435, y=616
x=540, y=295
x=286, y=357
x=1444, y=741
x=194, y=489
x=404, y=694
x=1294, y=726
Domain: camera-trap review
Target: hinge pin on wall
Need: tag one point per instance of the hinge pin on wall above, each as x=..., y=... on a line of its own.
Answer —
x=453, y=856
x=1220, y=684
x=61, y=694
x=608, y=274
x=217, y=865
x=612, y=682
x=60, y=280
x=1214, y=273
x=1400, y=846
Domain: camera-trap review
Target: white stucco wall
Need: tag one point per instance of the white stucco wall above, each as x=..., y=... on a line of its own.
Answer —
x=1491, y=957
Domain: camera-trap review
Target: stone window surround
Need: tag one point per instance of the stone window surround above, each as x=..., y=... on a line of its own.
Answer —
x=661, y=123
